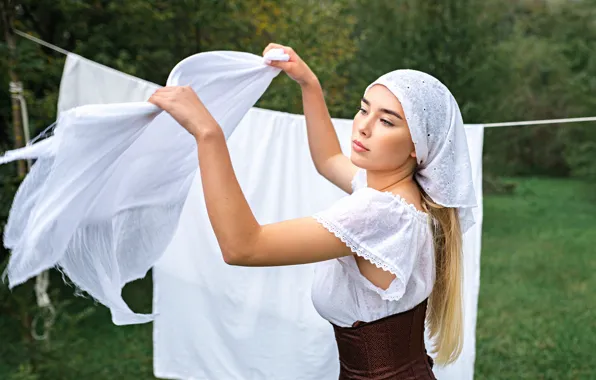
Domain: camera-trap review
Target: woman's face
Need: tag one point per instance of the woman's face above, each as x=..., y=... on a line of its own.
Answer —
x=381, y=138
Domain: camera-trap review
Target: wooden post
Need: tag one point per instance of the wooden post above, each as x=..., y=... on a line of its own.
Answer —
x=16, y=88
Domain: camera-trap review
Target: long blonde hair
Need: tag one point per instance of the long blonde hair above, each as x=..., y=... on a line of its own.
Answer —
x=444, y=316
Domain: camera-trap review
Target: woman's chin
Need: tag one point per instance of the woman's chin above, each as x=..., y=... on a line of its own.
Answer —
x=357, y=160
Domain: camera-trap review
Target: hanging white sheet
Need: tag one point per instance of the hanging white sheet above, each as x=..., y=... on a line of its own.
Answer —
x=216, y=321
x=87, y=82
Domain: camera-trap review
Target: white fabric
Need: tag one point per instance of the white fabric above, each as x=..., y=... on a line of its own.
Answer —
x=220, y=322
x=43, y=149
x=463, y=368
x=104, y=208
x=437, y=129
x=87, y=82
x=216, y=321
x=390, y=233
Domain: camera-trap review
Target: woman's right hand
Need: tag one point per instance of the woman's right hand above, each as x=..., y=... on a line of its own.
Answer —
x=296, y=68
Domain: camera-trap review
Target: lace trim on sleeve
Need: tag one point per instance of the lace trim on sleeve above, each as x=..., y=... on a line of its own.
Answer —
x=396, y=289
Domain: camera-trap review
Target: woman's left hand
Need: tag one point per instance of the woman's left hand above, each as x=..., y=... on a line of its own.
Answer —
x=183, y=104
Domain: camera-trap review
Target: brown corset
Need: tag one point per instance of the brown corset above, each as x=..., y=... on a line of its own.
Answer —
x=391, y=348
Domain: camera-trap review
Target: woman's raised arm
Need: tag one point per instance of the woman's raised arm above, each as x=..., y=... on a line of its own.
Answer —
x=324, y=146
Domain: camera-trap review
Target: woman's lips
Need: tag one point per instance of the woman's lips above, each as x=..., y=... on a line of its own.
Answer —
x=358, y=147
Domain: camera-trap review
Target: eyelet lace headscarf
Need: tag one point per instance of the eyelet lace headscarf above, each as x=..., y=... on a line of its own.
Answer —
x=437, y=129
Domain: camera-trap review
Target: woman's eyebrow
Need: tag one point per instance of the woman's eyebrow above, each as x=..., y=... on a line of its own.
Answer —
x=385, y=110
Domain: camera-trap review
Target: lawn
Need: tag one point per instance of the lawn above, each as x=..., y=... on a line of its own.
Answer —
x=537, y=307
x=536, y=317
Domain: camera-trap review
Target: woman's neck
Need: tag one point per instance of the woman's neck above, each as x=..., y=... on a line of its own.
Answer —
x=390, y=180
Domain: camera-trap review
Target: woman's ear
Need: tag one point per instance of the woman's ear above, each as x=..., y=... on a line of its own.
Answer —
x=413, y=154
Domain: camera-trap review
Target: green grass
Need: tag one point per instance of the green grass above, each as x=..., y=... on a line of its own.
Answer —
x=91, y=349
x=537, y=307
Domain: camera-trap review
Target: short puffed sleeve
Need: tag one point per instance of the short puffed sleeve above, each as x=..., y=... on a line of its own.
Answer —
x=384, y=229
x=359, y=180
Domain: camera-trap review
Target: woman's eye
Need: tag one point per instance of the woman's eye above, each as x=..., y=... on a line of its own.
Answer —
x=387, y=122
x=362, y=111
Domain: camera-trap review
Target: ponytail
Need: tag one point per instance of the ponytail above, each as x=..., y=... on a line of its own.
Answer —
x=445, y=315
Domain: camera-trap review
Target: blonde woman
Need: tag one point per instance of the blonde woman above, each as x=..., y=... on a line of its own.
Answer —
x=389, y=255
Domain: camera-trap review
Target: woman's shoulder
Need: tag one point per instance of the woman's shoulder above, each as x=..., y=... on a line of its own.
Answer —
x=382, y=201
x=385, y=203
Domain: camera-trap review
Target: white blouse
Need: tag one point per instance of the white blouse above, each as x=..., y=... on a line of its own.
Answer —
x=384, y=229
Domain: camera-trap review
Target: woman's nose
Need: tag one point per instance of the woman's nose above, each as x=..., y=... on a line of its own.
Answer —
x=364, y=128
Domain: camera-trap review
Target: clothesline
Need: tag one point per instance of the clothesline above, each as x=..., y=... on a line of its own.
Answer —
x=488, y=125
x=41, y=42
x=536, y=122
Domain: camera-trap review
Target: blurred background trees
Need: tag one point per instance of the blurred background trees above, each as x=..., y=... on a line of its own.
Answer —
x=503, y=60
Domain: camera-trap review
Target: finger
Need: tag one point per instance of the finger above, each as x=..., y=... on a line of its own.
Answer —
x=273, y=46
x=153, y=99
x=161, y=91
x=167, y=89
x=280, y=64
x=293, y=56
x=159, y=100
x=159, y=94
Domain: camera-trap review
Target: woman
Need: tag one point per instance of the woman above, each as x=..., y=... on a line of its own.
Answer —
x=383, y=251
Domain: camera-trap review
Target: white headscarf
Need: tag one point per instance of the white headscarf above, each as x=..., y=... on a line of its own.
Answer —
x=437, y=129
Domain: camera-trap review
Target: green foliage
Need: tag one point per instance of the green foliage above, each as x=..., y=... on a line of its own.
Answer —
x=449, y=39
x=82, y=341
x=546, y=70
x=24, y=372
x=503, y=60
x=580, y=151
x=19, y=316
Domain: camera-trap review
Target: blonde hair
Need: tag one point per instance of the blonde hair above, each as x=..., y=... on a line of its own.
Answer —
x=444, y=316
